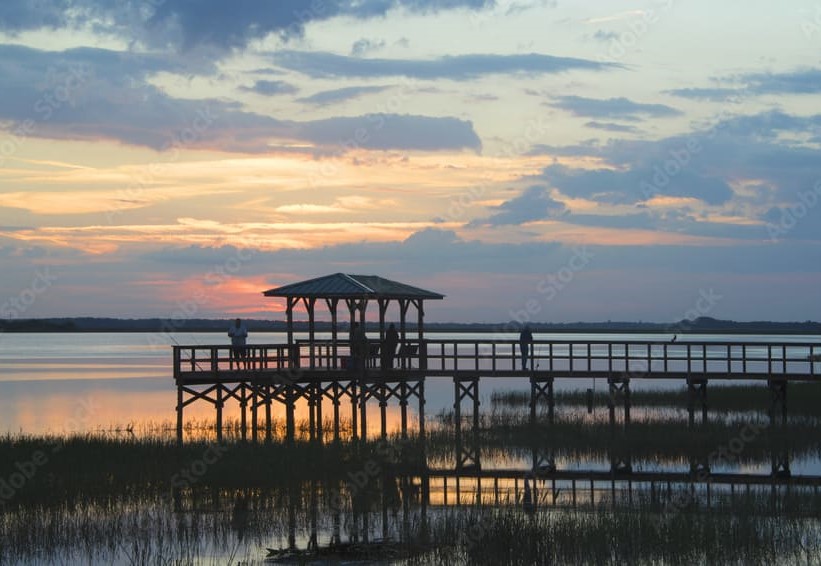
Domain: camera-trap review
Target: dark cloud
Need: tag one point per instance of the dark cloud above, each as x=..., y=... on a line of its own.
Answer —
x=340, y=94
x=191, y=24
x=712, y=94
x=391, y=131
x=534, y=203
x=769, y=124
x=613, y=108
x=805, y=81
x=613, y=127
x=458, y=67
x=364, y=46
x=780, y=175
x=93, y=94
x=604, y=35
x=271, y=88
x=637, y=184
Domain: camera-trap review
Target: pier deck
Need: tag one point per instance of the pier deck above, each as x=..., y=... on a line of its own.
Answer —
x=319, y=372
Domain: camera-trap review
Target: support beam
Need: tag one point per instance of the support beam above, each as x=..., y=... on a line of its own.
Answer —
x=467, y=449
x=619, y=395
x=541, y=389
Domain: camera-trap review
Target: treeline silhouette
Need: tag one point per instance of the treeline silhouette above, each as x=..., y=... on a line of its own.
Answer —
x=702, y=325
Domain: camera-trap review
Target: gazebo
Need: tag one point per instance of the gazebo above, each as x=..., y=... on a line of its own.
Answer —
x=356, y=292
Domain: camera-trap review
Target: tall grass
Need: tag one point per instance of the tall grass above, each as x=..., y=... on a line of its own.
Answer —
x=803, y=399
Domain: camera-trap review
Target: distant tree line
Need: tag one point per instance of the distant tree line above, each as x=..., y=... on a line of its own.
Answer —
x=702, y=325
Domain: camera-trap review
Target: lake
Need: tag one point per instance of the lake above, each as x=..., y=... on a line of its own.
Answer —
x=80, y=382
x=127, y=494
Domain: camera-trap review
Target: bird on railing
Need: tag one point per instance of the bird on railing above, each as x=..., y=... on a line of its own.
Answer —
x=674, y=338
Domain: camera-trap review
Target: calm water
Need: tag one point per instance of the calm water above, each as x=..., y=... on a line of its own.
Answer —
x=64, y=383
x=76, y=382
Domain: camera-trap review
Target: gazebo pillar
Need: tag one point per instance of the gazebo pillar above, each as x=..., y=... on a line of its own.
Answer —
x=289, y=313
x=332, y=307
x=310, y=304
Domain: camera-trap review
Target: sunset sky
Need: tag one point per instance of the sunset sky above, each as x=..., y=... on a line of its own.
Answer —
x=530, y=159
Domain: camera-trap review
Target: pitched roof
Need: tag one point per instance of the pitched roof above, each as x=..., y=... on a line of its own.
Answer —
x=342, y=285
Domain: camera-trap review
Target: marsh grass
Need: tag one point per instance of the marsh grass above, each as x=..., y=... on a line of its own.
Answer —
x=136, y=497
x=804, y=399
x=621, y=537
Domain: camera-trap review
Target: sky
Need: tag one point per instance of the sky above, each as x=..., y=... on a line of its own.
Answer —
x=532, y=160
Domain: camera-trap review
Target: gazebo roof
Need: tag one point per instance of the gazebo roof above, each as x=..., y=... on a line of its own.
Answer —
x=344, y=286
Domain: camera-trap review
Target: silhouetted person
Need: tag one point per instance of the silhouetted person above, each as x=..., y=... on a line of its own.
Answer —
x=238, y=334
x=359, y=345
x=526, y=346
x=389, y=347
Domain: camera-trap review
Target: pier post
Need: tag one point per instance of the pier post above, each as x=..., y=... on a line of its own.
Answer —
x=268, y=431
x=697, y=394
x=421, y=390
x=354, y=405
x=290, y=425
x=311, y=399
x=179, y=413
x=778, y=400
x=383, y=408
x=218, y=405
x=335, y=389
x=363, y=410
x=243, y=405
x=254, y=413
x=403, y=407
x=320, y=394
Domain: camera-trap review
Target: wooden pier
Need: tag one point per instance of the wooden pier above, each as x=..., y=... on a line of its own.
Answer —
x=329, y=372
x=320, y=373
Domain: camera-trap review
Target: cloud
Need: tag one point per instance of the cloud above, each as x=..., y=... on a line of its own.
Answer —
x=391, y=131
x=340, y=94
x=712, y=94
x=534, y=203
x=612, y=127
x=96, y=94
x=805, y=81
x=636, y=184
x=364, y=46
x=613, y=108
x=191, y=24
x=271, y=88
x=768, y=124
x=602, y=35
x=457, y=67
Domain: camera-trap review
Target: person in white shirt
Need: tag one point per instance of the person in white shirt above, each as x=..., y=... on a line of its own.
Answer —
x=238, y=334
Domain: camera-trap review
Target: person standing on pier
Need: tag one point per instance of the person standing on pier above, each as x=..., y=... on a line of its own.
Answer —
x=389, y=347
x=238, y=334
x=359, y=345
x=526, y=346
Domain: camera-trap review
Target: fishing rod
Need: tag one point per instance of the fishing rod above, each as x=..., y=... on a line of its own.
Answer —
x=191, y=357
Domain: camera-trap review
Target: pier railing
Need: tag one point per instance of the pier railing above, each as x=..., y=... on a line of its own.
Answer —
x=499, y=358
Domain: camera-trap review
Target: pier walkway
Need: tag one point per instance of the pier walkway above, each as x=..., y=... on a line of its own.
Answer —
x=344, y=365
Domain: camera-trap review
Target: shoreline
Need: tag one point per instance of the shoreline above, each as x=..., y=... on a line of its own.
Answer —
x=699, y=326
